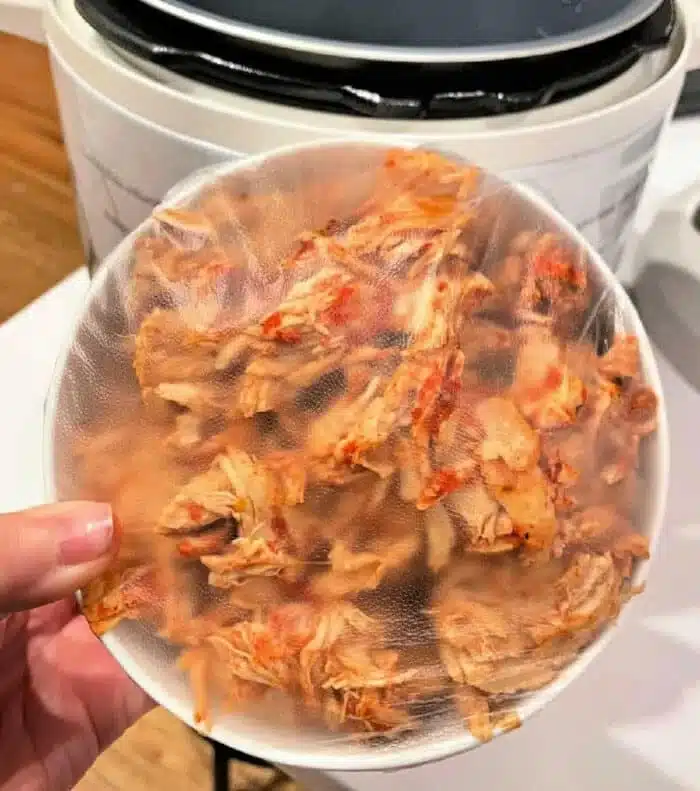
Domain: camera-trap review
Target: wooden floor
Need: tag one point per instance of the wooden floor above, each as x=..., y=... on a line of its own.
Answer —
x=39, y=246
x=161, y=753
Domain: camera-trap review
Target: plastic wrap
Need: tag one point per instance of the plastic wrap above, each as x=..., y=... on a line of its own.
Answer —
x=371, y=426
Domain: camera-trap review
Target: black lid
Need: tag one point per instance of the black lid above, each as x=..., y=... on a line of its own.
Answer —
x=408, y=30
x=373, y=89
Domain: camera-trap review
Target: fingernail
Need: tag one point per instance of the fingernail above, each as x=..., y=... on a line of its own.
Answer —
x=90, y=534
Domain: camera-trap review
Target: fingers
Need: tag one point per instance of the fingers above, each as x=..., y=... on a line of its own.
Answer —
x=48, y=553
x=112, y=700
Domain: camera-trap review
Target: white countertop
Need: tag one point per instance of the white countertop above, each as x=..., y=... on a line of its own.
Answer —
x=632, y=722
x=23, y=18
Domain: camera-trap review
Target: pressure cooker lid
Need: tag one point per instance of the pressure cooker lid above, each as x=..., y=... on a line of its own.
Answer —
x=386, y=89
x=439, y=30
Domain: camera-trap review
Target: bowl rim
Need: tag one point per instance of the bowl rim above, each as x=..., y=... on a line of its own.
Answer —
x=449, y=745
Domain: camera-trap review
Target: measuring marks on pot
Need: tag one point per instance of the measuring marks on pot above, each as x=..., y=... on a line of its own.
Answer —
x=122, y=164
x=599, y=190
x=126, y=205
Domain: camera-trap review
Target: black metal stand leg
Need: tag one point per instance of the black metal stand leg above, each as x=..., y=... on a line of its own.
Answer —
x=221, y=756
x=220, y=767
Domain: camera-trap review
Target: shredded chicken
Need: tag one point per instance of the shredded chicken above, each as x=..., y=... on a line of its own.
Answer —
x=249, y=557
x=236, y=486
x=368, y=465
x=116, y=595
x=483, y=722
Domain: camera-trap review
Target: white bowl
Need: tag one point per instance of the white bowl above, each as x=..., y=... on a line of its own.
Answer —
x=149, y=661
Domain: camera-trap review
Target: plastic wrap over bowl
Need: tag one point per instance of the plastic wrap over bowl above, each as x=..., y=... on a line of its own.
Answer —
x=388, y=448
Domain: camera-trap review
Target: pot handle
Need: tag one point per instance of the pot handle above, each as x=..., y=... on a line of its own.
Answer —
x=667, y=287
x=674, y=237
x=23, y=18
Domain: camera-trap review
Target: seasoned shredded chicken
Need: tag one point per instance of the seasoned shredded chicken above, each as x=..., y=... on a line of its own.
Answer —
x=372, y=467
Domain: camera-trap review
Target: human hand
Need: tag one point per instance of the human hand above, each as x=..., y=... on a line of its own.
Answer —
x=63, y=698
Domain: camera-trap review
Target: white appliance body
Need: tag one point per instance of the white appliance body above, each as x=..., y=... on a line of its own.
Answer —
x=133, y=130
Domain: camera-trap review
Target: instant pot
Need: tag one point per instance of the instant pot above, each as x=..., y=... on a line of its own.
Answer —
x=570, y=98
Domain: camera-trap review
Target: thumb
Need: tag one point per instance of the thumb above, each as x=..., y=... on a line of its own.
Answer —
x=48, y=553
